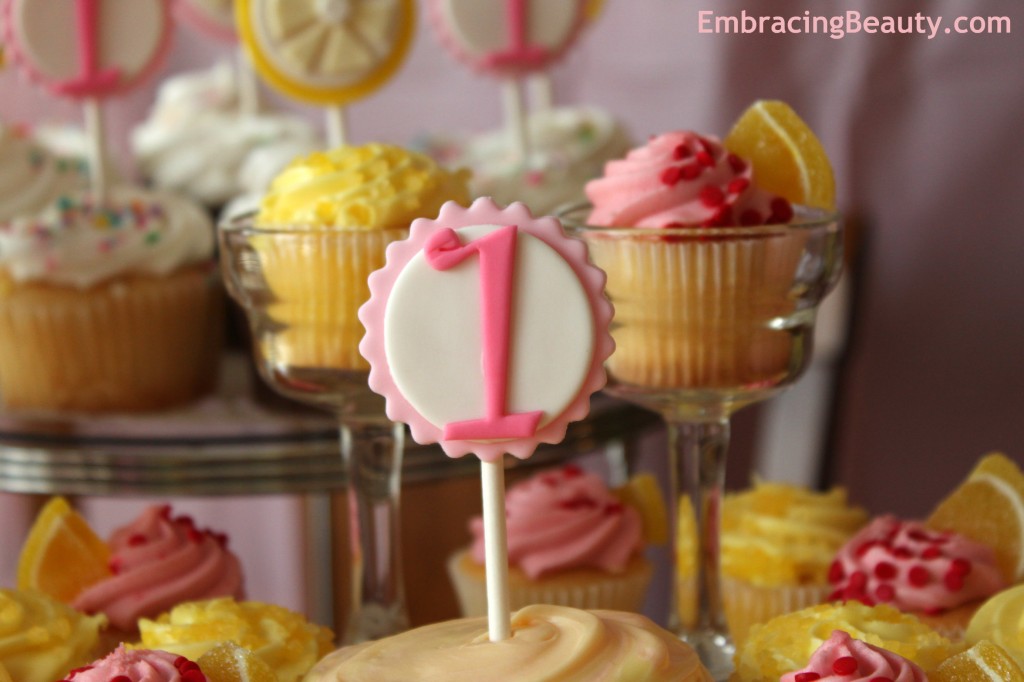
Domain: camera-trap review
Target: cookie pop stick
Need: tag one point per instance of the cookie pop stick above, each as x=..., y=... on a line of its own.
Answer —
x=88, y=50
x=471, y=350
x=216, y=19
x=326, y=52
x=508, y=39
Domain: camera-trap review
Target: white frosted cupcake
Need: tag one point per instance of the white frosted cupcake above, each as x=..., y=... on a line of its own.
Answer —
x=571, y=542
x=108, y=307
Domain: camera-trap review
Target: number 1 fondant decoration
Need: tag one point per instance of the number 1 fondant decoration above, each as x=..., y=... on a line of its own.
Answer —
x=487, y=330
x=327, y=52
x=507, y=37
x=88, y=50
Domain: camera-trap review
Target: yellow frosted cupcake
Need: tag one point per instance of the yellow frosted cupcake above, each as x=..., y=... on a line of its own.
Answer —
x=283, y=639
x=108, y=306
x=778, y=541
x=787, y=642
x=320, y=231
x=41, y=638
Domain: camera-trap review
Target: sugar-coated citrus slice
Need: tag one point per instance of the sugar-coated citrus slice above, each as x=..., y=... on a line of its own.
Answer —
x=983, y=661
x=4, y=675
x=643, y=493
x=787, y=157
x=228, y=662
x=989, y=507
x=62, y=555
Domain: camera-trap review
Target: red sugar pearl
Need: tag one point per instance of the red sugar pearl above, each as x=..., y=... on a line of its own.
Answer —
x=612, y=508
x=919, y=576
x=737, y=164
x=571, y=471
x=836, y=572
x=193, y=675
x=807, y=677
x=136, y=540
x=961, y=567
x=180, y=661
x=705, y=159
x=114, y=565
x=858, y=580
x=737, y=185
x=680, y=152
x=782, y=211
x=712, y=196
x=121, y=678
x=194, y=535
x=903, y=553
x=932, y=552
x=671, y=175
x=954, y=582
x=885, y=593
x=845, y=665
x=691, y=171
x=881, y=678
x=885, y=571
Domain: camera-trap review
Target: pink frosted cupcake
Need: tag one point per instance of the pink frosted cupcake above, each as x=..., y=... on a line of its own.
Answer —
x=571, y=542
x=842, y=658
x=940, y=576
x=158, y=561
x=138, y=665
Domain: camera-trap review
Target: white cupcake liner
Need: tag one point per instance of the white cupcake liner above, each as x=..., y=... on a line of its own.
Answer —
x=621, y=592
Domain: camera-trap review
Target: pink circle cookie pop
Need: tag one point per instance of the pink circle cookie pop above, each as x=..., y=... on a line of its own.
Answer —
x=507, y=37
x=487, y=330
x=87, y=48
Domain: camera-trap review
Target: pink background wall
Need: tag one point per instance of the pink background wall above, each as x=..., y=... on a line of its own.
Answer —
x=926, y=138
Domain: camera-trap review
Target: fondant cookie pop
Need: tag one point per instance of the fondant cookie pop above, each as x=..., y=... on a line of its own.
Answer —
x=327, y=52
x=508, y=39
x=470, y=348
x=88, y=50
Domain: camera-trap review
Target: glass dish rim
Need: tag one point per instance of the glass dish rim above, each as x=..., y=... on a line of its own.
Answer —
x=813, y=219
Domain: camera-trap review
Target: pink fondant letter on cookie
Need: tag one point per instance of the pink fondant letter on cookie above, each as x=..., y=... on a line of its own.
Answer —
x=497, y=259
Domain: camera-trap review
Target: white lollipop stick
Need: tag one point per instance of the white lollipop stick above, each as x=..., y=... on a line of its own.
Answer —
x=499, y=617
x=97, y=148
x=337, y=126
x=248, y=87
x=515, y=118
x=541, y=91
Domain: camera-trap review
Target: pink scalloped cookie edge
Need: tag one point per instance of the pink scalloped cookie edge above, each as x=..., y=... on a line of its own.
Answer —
x=381, y=282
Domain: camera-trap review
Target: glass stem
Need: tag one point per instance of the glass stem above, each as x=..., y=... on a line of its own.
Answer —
x=697, y=450
x=372, y=453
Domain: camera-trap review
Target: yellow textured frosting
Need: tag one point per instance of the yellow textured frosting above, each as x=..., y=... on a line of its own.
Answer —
x=1001, y=620
x=547, y=643
x=779, y=534
x=787, y=642
x=370, y=187
x=286, y=641
x=41, y=638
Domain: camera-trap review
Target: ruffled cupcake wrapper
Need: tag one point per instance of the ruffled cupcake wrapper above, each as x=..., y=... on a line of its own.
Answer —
x=698, y=314
x=620, y=592
x=316, y=283
x=747, y=605
x=129, y=344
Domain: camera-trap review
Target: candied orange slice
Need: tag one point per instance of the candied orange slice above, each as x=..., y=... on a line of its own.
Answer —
x=988, y=507
x=643, y=493
x=983, y=661
x=4, y=675
x=228, y=662
x=62, y=555
x=787, y=157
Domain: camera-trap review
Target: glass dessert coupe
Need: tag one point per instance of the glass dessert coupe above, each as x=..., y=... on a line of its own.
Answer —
x=709, y=320
x=300, y=289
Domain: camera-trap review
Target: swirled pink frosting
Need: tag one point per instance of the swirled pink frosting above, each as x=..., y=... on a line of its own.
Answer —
x=913, y=567
x=565, y=519
x=159, y=561
x=842, y=658
x=139, y=665
x=682, y=179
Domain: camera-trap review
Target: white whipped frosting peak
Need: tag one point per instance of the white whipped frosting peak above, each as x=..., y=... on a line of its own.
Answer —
x=31, y=176
x=74, y=242
x=197, y=141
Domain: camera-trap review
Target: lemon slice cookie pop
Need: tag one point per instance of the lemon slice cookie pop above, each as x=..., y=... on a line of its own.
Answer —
x=470, y=348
